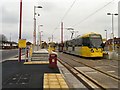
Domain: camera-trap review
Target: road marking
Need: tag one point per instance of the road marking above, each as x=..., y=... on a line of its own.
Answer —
x=111, y=71
x=2, y=60
x=13, y=58
x=114, y=66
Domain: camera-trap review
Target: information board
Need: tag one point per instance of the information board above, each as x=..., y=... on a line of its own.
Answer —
x=22, y=43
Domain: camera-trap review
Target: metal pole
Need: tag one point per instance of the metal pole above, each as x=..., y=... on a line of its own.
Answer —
x=40, y=39
x=62, y=35
x=52, y=38
x=20, y=28
x=106, y=35
x=34, y=32
x=113, y=32
x=40, y=34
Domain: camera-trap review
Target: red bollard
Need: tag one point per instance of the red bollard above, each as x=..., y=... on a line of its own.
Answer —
x=53, y=60
x=27, y=54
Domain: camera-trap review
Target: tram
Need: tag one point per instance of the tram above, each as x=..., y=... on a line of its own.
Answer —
x=87, y=45
x=52, y=46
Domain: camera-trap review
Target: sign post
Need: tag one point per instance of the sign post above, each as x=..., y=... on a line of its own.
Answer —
x=19, y=59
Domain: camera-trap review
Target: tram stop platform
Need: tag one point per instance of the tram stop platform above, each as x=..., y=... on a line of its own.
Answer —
x=37, y=75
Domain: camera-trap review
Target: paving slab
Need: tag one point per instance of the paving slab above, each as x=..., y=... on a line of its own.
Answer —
x=17, y=75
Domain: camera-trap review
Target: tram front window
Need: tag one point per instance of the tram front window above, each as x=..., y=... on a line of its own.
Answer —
x=96, y=42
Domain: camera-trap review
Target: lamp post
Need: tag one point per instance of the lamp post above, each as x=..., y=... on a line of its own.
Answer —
x=34, y=34
x=39, y=35
x=20, y=29
x=62, y=36
x=106, y=34
x=113, y=27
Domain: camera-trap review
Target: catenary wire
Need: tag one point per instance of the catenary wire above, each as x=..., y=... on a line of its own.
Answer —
x=92, y=14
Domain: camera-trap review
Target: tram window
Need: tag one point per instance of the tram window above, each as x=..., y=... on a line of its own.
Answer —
x=86, y=42
x=79, y=42
x=73, y=42
x=69, y=43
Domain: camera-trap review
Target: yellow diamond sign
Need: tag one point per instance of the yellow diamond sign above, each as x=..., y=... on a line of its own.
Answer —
x=22, y=43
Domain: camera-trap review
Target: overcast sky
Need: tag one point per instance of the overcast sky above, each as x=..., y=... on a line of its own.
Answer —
x=51, y=15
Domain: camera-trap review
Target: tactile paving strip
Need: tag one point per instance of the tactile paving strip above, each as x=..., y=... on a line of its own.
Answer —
x=54, y=81
x=37, y=62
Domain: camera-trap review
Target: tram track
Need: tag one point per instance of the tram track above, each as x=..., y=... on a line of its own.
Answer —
x=111, y=75
x=115, y=78
x=86, y=80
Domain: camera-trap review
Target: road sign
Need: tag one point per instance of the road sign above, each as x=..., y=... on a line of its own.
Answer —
x=22, y=43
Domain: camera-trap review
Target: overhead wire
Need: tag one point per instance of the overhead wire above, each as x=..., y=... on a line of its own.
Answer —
x=84, y=18
x=93, y=13
x=68, y=10
x=65, y=15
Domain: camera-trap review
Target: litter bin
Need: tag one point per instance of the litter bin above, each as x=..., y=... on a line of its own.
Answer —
x=52, y=60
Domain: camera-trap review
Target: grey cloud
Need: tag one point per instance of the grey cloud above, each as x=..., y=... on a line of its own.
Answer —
x=10, y=17
x=50, y=7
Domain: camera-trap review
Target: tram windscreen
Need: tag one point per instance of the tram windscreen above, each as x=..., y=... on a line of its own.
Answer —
x=96, y=40
x=52, y=44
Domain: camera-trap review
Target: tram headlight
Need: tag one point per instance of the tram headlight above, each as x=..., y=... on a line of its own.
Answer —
x=92, y=50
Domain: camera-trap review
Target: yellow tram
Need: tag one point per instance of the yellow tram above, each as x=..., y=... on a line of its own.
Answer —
x=52, y=46
x=87, y=45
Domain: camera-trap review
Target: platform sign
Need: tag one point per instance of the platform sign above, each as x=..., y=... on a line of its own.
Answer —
x=22, y=43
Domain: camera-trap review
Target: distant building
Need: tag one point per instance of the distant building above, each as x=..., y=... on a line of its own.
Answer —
x=5, y=44
x=8, y=45
x=109, y=44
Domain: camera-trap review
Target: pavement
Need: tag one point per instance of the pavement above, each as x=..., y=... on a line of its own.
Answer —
x=17, y=75
x=112, y=55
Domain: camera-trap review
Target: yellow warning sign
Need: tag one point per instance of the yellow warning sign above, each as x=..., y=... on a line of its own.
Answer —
x=22, y=43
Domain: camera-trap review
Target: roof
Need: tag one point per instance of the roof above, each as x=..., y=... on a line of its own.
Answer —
x=87, y=35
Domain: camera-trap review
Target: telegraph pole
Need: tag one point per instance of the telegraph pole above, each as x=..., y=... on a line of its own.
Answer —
x=62, y=35
x=20, y=29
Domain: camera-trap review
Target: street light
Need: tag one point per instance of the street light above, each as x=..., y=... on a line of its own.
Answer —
x=35, y=23
x=112, y=27
x=39, y=39
x=106, y=34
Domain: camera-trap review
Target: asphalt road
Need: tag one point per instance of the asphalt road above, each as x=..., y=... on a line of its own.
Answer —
x=9, y=53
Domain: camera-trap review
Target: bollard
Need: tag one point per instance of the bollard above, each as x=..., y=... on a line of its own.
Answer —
x=27, y=54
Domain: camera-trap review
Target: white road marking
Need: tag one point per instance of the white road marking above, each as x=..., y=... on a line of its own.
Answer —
x=111, y=71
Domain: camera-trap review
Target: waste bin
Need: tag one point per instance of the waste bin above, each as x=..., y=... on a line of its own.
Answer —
x=52, y=60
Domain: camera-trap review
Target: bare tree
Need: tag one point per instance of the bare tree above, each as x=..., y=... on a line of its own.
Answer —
x=3, y=37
